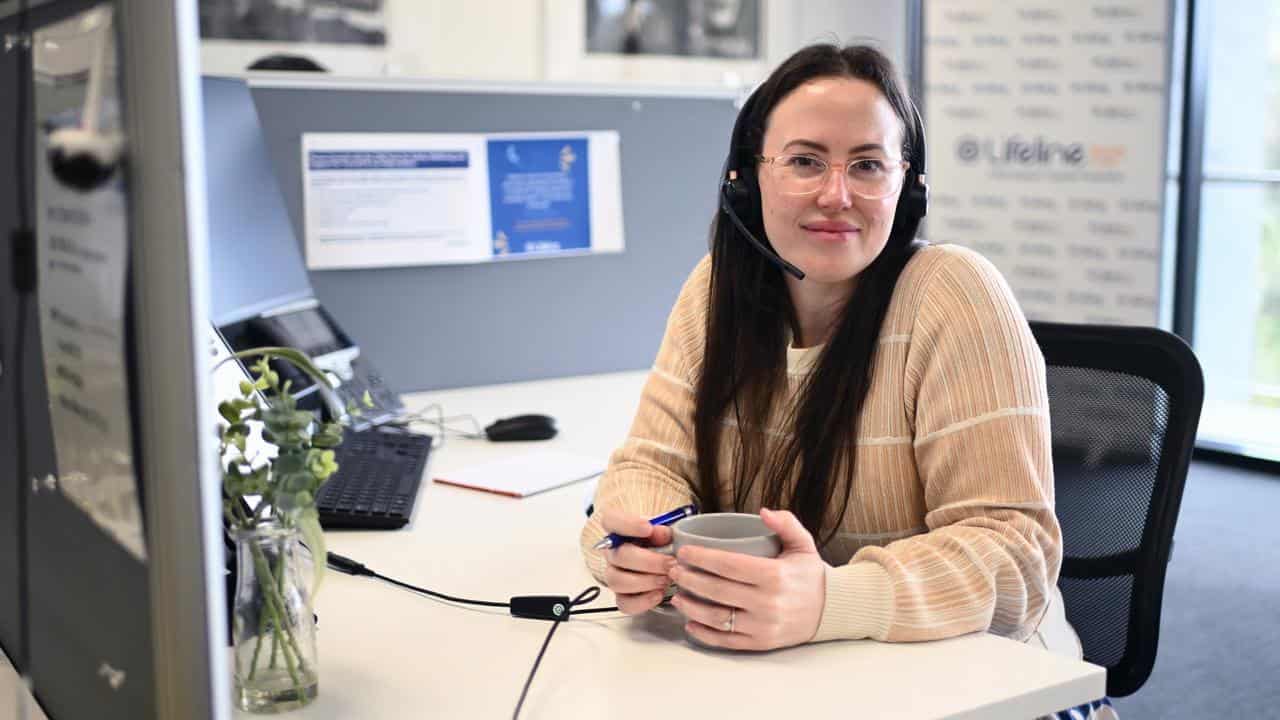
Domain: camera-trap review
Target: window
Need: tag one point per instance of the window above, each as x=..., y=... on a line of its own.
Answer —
x=1237, y=304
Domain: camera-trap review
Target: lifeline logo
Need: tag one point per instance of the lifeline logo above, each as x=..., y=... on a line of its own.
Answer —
x=1016, y=150
x=1040, y=153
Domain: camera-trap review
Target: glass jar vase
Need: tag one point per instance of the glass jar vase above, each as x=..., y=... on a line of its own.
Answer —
x=273, y=628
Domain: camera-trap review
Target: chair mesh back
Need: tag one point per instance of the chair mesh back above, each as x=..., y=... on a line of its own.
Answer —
x=1121, y=445
x=1107, y=431
x=1107, y=428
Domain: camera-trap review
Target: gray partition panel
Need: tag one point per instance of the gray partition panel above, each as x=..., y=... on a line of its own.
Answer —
x=459, y=325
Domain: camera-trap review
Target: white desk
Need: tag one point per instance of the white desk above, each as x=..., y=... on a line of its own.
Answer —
x=387, y=653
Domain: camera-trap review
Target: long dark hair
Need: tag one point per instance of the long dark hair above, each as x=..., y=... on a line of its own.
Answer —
x=744, y=365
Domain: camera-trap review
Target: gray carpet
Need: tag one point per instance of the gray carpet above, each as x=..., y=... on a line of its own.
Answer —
x=1219, y=653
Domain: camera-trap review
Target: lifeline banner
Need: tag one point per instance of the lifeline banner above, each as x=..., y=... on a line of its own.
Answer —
x=1047, y=131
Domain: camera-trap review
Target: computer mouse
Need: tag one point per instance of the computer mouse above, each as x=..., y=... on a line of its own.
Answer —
x=522, y=427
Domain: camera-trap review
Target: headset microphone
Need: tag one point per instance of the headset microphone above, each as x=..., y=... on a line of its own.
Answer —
x=726, y=204
x=735, y=188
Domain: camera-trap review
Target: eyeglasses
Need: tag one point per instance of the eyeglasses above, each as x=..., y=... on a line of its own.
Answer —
x=868, y=178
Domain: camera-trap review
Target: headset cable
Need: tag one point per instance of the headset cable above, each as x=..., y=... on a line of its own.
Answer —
x=556, y=608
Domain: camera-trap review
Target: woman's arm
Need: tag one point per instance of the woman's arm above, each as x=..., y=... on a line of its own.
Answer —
x=976, y=394
x=655, y=468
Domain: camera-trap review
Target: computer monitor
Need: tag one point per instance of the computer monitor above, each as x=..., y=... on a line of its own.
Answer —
x=254, y=262
x=112, y=635
x=260, y=293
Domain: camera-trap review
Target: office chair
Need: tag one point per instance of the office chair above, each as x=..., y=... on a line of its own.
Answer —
x=1124, y=404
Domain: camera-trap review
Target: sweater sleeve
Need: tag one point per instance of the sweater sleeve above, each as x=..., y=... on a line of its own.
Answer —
x=655, y=468
x=976, y=398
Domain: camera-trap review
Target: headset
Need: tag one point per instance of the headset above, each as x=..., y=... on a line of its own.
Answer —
x=740, y=190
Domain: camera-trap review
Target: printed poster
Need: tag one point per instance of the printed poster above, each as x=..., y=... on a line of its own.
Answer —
x=1047, y=129
x=539, y=195
x=403, y=199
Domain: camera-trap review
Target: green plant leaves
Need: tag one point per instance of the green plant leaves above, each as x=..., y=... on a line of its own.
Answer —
x=228, y=412
x=321, y=464
x=328, y=436
x=304, y=461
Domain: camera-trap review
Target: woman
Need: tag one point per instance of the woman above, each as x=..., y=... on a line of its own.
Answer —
x=886, y=415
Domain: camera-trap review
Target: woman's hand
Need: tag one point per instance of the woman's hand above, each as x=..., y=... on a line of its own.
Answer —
x=776, y=602
x=637, y=576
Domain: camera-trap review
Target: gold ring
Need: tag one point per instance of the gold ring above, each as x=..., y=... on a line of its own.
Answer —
x=733, y=612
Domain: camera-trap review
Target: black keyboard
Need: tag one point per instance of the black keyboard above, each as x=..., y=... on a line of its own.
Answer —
x=379, y=473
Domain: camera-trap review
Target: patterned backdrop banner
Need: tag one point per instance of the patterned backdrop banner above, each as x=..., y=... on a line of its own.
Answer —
x=1047, y=149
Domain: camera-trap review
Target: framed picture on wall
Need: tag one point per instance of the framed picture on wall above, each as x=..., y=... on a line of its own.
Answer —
x=656, y=42
x=343, y=37
x=356, y=22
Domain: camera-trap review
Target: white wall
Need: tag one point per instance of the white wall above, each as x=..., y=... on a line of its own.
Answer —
x=882, y=23
x=465, y=39
x=504, y=40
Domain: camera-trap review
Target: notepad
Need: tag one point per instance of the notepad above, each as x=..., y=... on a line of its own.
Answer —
x=527, y=473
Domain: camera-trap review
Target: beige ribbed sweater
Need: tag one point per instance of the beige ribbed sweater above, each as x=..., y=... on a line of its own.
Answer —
x=950, y=527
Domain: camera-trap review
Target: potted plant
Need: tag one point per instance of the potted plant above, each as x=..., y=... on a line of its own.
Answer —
x=269, y=504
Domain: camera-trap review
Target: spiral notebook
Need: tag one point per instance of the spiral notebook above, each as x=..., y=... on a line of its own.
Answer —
x=527, y=473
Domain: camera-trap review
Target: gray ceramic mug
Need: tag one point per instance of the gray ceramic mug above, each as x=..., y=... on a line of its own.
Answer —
x=734, y=532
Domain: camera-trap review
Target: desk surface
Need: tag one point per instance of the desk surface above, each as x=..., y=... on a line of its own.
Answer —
x=387, y=653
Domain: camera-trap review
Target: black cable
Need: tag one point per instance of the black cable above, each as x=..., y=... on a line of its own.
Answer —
x=527, y=606
x=536, y=662
x=346, y=565
x=442, y=596
x=584, y=597
x=555, y=608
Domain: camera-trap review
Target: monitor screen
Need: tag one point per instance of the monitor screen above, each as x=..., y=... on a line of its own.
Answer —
x=255, y=263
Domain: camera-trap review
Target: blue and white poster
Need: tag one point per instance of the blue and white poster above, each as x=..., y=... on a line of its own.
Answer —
x=398, y=199
x=539, y=195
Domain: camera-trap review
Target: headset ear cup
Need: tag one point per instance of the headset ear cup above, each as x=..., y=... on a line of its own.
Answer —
x=916, y=202
x=742, y=195
x=918, y=199
x=913, y=203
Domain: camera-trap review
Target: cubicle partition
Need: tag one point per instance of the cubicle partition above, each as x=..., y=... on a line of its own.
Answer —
x=120, y=620
x=446, y=326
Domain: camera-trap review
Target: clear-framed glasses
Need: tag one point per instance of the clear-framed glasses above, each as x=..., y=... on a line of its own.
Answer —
x=804, y=174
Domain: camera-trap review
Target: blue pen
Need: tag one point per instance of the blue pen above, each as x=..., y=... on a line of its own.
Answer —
x=613, y=540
